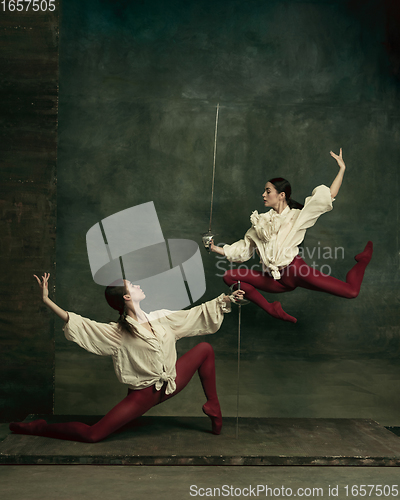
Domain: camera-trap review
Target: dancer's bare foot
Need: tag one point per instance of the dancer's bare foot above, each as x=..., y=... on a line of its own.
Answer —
x=34, y=428
x=214, y=412
x=366, y=255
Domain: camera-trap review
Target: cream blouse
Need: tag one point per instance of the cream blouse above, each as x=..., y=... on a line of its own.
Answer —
x=276, y=237
x=147, y=358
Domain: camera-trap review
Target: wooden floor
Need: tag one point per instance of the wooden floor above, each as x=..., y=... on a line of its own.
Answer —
x=188, y=441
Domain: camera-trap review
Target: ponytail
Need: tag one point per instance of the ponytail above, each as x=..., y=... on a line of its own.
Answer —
x=123, y=323
x=294, y=204
x=115, y=298
x=283, y=186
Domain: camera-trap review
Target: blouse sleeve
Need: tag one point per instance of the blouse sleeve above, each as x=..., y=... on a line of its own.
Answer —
x=99, y=338
x=242, y=250
x=200, y=320
x=315, y=205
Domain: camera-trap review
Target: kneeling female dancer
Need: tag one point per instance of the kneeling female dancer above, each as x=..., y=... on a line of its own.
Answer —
x=143, y=350
x=276, y=234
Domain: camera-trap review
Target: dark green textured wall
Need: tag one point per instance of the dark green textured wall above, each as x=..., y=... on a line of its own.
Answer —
x=28, y=155
x=139, y=84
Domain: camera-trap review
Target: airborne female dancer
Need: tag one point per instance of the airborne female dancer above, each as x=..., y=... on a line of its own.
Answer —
x=276, y=234
x=143, y=350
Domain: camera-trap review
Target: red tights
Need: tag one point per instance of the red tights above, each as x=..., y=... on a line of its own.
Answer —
x=136, y=403
x=298, y=273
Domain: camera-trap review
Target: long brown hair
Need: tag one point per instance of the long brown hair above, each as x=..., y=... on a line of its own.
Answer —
x=115, y=298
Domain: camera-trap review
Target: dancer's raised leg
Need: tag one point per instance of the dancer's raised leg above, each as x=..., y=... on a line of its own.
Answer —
x=300, y=274
x=250, y=280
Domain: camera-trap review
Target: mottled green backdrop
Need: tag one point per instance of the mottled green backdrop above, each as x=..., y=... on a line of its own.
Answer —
x=139, y=85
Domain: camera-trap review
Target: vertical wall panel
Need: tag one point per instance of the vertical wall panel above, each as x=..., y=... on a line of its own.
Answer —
x=28, y=153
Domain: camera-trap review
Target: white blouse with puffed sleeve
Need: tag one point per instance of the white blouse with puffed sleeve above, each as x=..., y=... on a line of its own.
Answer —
x=147, y=358
x=275, y=237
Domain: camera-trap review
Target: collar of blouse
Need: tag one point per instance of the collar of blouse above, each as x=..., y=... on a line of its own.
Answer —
x=143, y=332
x=268, y=224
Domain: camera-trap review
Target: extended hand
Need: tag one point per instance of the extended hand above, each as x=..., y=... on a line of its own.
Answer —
x=44, y=285
x=339, y=159
x=216, y=249
x=239, y=295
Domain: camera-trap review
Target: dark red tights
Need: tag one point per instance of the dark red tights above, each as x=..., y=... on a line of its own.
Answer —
x=200, y=358
x=298, y=274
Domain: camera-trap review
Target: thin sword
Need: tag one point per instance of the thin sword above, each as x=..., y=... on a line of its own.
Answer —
x=215, y=155
x=238, y=368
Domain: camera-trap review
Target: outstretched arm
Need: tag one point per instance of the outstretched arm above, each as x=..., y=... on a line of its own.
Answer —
x=236, y=296
x=44, y=285
x=339, y=178
x=216, y=249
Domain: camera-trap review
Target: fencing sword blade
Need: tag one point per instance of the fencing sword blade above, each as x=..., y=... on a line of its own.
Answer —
x=214, y=159
x=209, y=236
x=238, y=368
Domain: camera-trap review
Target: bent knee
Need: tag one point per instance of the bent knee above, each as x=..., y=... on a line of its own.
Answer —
x=93, y=436
x=229, y=278
x=352, y=294
x=206, y=348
